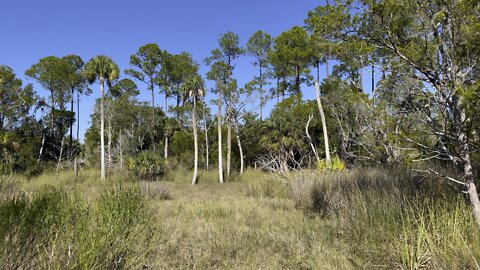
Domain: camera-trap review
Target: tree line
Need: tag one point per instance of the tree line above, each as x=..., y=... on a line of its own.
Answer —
x=421, y=57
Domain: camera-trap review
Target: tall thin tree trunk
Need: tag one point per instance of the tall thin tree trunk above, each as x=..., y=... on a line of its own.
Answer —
x=78, y=116
x=195, y=140
x=166, y=103
x=278, y=89
x=464, y=153
x=109, y=143
x=297, y=81
x=310, y=117
x=229, y=145
x=40, y=153
x=206, y=141
x=239, y=146
x=373, y=81
x=71, y=121
x=153, y=116
x=219, y=125
x=360, y=80
x=326, y=69
x=52, y=118
x=61, y=153
x=261, y=93
x=165, y=148
x=102, y=131
x=384, y=69
x=120, y=144
x=324, y=123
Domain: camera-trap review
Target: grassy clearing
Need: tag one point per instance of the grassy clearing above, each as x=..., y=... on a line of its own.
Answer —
x=307, y=220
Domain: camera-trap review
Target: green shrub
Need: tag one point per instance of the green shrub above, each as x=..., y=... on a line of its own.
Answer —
x=335, y=164
x=146, y=165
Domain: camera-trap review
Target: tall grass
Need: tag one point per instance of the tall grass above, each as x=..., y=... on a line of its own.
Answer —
x=370, y=218
x=393, y=218
x=55, y=229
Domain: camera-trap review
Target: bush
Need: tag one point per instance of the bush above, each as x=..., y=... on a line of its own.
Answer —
x=336, y=164
x=146, y=165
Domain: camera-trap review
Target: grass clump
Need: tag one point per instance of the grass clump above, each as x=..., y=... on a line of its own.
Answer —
x=393, y=218
x=155, y=191
x=55, y=229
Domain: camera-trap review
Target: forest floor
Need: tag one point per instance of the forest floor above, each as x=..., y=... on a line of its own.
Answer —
x=305, y=220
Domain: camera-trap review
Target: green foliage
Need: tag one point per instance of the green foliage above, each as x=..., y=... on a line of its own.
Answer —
x=101, y=68
x=335, y=164
x=292, y=54
x=146, y=165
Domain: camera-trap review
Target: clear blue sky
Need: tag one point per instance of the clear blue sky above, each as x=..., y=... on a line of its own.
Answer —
x=35, y=29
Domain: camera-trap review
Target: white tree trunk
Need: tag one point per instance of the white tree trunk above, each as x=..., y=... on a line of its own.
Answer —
x=310, y=117
x=40, y=153
x=324, y=123
x=61, y=153
x=464, y=153
x=229, y=145
x=206, y=142
x=109, y=143
x=239, y=147
x=195, y=140
x=153, y=116
x=219, y=124
x=120, y=145
x=78, y=116
x=165, y=149
x=102, y=132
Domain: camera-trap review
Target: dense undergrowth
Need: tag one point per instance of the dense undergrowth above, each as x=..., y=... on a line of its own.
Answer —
x=371, y=218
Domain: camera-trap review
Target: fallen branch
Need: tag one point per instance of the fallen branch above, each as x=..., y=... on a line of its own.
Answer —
x=430, y=171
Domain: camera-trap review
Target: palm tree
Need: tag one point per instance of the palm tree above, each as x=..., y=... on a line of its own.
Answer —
x=103, y=69
x=193, y=89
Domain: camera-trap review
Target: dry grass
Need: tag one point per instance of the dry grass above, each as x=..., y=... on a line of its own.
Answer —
x=214, y=226
x=305, y=220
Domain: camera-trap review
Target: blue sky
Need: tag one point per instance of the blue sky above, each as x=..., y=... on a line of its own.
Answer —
x=35, y=29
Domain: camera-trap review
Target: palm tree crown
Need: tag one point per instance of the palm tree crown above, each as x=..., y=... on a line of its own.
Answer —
x=102, y=68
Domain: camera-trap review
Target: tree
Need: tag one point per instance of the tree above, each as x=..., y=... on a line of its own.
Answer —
x=15, y=101
x=122, y=111
x=219, y=72
x=283, y=141
x=176, y=70
x=227, y=53
x=53, y=74
x=77, y=83
x=324, y=124
x=259, y=46
x=194, y=87
x=291, y=48
x=104, y=70
x=438, y=43
x=147, y=61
